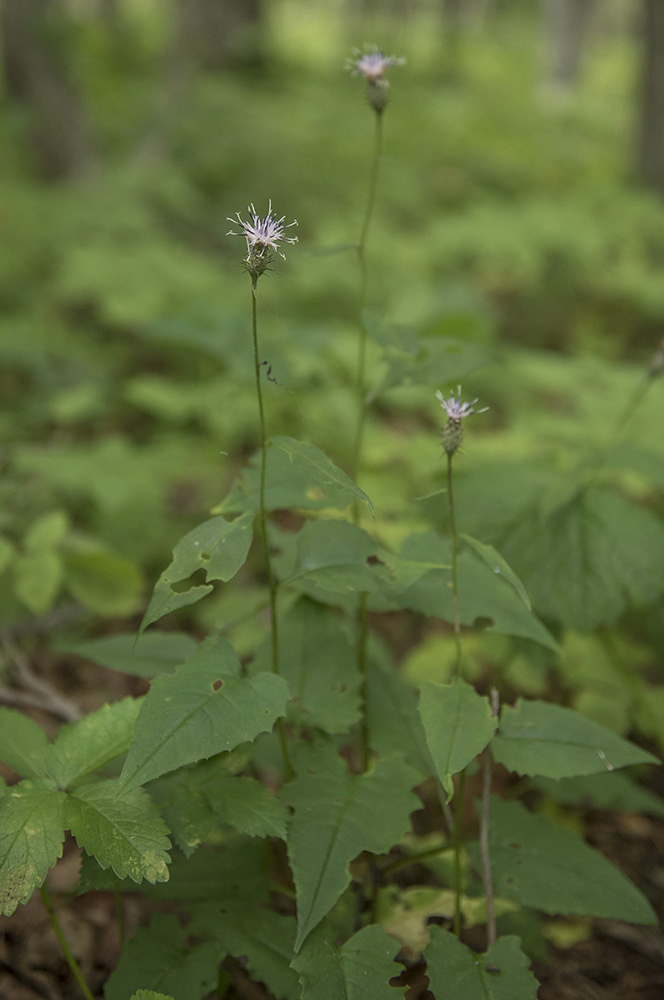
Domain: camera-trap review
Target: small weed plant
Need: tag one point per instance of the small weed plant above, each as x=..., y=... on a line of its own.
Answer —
x=316, y=807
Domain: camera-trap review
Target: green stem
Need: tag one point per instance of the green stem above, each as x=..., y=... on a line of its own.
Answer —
x=272, y=585
x=455, y=557
x=62, y=941
x=362, y=641
x=458, y=851
x=362, y=344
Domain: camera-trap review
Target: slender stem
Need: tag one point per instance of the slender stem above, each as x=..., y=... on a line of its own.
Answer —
x=487, y=877
x=362, y=641
x=272, y=585
x=360, y=388
x=458, y=850
x=455, y=556
x=362, y=343
x=62, y=941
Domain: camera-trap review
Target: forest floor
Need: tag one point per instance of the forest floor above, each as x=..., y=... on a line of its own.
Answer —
x=615, y=960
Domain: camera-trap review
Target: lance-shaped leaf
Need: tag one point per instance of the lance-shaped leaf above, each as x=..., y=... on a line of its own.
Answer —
x=31, y=835
x=458, y=725
x=536, y=738
x=337, y=816
x=265, y=939
x=202, y=709
x=122, y=831
x=156, y=958
x=455, y=971
x=154, y=653
x=359, y=969
x=23, y=744
x=542, y=865
x=219, y=547
x=89, y=743
x=319, y=664
x=297, y=475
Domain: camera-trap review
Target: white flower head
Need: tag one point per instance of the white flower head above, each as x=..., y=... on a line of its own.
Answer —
x=372, y=63
x=263, y=234
x=455, y=409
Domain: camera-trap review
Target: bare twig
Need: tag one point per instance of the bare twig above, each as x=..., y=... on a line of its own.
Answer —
x=43, y=695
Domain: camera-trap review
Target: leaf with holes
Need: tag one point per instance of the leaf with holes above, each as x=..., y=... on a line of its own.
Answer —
x=501, y=973
x=205, y=707
x=218, y=547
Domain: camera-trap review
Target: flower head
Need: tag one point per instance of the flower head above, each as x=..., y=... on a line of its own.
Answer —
x=262, y=235
x=455, y=409
x=456, y=412
x=372, y=63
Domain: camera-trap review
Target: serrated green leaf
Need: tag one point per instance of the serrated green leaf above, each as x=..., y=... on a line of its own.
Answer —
x=122, y=829
x=37, y=579
x=501, y=973
x=458, y=725
x=32, y=832
x=150, y=995
x=600, y=551
x=538, y=738
x=197, y=801
x=264, y=938
x=156, y=957
x=154, y=653
x=219, y=547
x=539, y=864
x=23, y=744
x=297, y=475
x=359, y=969
x=497, y=564
x=103, y=582
x=202, y=709
x=338, y=815
x=320, y=667
x=91, y=742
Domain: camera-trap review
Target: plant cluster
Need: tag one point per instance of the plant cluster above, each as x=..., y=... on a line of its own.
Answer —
x=314, y=803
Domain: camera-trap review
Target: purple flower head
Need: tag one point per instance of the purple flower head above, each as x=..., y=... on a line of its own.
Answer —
x=455, y=409
x=263, y=234
x=372, y=63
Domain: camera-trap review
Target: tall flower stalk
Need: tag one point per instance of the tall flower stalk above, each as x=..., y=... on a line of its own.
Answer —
x=456, y=412
x=264, y=235
x=373, y=65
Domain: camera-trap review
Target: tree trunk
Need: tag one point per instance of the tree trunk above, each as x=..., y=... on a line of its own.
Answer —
x=566, y=26
x=35, y=74
x=651, y=145
x=221, y=34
